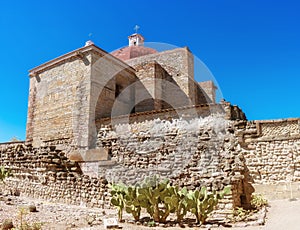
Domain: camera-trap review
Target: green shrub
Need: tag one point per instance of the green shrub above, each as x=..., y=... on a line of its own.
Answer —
x=132, y=203
x=240, y=214
x=178, y=201
x=258, y=201
x=4, y=173
x=151, y=224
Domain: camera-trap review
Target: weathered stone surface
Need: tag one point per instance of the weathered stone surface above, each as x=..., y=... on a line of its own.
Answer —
x=100, y=154
x=76, y=156
x=59, y=182
x=68, y=93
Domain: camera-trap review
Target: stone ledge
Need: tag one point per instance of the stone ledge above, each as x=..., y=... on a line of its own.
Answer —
x=273, y=138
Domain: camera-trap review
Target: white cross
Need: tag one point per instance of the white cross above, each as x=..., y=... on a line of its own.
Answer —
x=136, y=28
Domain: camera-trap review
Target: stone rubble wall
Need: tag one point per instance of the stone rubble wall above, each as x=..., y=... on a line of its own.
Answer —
x=278, y=128
x=47, y=173
x=230, y=112
x=271, y=150
x=194, y=153
x=164, y=114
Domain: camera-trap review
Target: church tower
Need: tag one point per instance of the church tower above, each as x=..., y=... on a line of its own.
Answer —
x=136, y=40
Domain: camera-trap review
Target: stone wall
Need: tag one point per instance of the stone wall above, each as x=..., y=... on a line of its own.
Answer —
x=272, y=152
x=47, y=173
x=192, y=153
x=164, y=114
x=230, y=112
x=52, y=99
x=157, y=90
x=178, y=63
x=209, y=89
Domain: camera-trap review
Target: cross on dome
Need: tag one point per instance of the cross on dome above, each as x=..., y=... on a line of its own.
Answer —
x=136, y=28
x=136, y=39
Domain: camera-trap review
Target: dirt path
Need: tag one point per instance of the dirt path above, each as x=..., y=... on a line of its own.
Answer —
x=281, y=215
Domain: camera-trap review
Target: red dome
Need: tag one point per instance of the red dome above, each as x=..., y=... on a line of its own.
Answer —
x=129, y=52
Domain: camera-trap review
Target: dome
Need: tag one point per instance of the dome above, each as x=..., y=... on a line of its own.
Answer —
x=129, y=52
x=135, y=48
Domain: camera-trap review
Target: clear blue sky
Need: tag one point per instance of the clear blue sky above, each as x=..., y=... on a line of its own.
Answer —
x=252, y=47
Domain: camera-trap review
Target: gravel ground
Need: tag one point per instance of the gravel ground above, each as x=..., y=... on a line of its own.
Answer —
x=52, y=215
x=62, y=216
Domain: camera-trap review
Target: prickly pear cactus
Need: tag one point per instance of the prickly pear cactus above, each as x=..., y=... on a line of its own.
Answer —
x=178, y=202
x=133, y=204
x=118, y=193
x=202, y=203
x=152, y=193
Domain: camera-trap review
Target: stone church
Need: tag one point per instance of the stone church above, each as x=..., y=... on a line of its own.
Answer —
x=70, y=93
x=96, y=117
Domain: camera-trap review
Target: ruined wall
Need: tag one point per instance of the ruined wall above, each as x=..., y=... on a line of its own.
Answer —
x=272, y=153
x=271, y=149
x=229, y=112
x=46, y=173
x=194, y=153
x=191, y=152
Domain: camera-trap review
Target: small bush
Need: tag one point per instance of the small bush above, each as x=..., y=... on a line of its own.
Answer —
x=240, y=214
x=118, y=193
x=258, y=201
x=4, y=173
x=151, y=224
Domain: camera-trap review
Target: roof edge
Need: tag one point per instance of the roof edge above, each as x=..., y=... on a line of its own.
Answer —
x=76, y=53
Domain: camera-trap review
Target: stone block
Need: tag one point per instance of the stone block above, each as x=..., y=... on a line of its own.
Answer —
x=76, y=156
x=110, y=223
x=100, y=154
